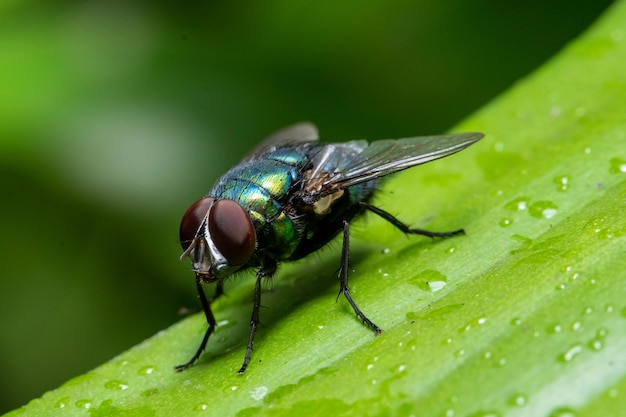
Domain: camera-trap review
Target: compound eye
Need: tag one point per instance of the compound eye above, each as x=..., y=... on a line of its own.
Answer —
x=193, y=219
x=232, y=231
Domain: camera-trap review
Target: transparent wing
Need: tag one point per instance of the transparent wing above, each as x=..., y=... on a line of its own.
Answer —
x=294, y=134
x=385, y=157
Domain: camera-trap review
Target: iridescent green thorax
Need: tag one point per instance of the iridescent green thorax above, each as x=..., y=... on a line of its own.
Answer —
x=262, y=187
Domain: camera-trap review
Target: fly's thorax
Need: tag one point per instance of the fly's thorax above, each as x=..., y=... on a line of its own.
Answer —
x=263, y=187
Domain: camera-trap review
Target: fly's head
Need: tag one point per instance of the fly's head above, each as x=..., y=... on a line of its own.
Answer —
x=218, y=236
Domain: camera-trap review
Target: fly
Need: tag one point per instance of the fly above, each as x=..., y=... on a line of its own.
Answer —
x=288, y=198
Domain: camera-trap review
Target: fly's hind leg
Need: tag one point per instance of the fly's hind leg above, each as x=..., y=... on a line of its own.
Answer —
x=343, y=278
x=405, y=228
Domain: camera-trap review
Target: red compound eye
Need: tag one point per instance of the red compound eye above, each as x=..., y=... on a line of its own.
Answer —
x=193, y=219
x=232, y=231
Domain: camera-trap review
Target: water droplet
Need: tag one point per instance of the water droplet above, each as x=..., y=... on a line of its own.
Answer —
x=555, y=328
x=605, y=233
x=225, y=324
x=385, y=251
x=560, y=287
x=451, y=249
x=201, y=407
x=505, y=222
x=518, y=204
x=562, y=182
x=146, y=370
x=149, y=392
x=62, y=403
x=116, y=384
x=429, y=280
x=576, y=326
x=523, y=240
x=402, y=368
x=84, y=403
x=609, y=308
x=234, y=388
x=571, y=353
x=474, y=323
x=449, y=413
x=384, y=274
x=596, y=344
x=518, y=400
x=618, y=165
x=563, y=412
x=555, y=111
x=259, y=393
x=370, y=366
x=489, y=413
x=516, y=321
x=436, y=285
x=587, y=151
x=602, y=333
x=543, y=209
x=459, y=353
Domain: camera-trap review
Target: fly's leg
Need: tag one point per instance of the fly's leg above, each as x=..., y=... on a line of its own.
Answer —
x=219, y=291
x=266, y=272
x=210, y=318
x=343, y=279
x=405, y=228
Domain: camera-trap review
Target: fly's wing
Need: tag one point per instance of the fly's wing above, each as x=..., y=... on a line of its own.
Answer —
x=293, y=135
x=385, y=157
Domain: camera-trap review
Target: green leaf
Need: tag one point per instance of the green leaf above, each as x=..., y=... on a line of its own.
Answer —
x=525, y=315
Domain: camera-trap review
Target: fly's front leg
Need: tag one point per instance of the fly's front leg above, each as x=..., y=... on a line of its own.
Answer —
x=343, y=279
x=219, y=291
x=266, y=272
x=210, y=318
x=405, y=228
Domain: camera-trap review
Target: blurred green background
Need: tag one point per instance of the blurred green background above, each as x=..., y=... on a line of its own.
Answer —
x=115, y=116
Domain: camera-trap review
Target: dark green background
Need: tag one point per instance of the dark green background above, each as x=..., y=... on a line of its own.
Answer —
x=114, y=117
